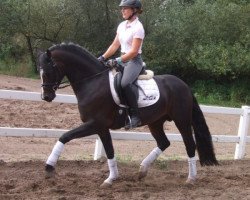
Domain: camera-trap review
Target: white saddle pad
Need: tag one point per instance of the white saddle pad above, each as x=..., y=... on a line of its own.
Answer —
x=148, y=92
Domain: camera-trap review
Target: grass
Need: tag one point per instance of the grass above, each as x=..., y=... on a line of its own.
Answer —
x=124, y=158
x=161, y=163
x=230, y=94
x=211, y=99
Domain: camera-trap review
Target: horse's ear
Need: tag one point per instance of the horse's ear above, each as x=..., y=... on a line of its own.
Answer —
x=48, y=52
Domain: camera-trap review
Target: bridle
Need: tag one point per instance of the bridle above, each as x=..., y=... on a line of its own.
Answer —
x=57, y=84
x=54, y=85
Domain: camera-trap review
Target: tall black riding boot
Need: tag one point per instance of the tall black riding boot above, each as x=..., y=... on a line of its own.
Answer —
x=131, y=99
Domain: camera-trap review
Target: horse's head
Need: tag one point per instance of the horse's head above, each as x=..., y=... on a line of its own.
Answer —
x=50, y=76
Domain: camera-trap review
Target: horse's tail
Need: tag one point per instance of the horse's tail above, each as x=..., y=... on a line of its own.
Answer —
x=203, y=137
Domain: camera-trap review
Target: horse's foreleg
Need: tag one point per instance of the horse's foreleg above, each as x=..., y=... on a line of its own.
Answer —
x=157, y=132
x=84, y=130
x=113, y=173
x=112, y=164
x=52, y=159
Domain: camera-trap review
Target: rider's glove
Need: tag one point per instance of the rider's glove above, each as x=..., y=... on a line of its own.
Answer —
x=119, y=60
x=101, y=59
x=112, y=63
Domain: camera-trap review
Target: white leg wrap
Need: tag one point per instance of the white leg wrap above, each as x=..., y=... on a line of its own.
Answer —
x=113, y=171
x=56, y=152
x=151, y=157
x=192, y=168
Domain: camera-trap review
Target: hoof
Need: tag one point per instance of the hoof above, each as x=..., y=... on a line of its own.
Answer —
x=190, y=181
x=105, y=185
x=142, y=172
x=49, y=172
x=102, y=159
x=50, y=175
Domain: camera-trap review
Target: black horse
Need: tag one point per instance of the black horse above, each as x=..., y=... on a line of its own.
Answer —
x=90, y=82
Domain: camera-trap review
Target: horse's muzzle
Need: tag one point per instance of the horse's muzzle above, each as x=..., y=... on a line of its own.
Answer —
x=48, y=97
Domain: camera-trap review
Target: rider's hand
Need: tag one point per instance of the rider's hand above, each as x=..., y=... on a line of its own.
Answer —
x=112, y=63
x=101, y=59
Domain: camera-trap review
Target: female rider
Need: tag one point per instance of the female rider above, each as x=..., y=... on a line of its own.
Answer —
x=130, y=35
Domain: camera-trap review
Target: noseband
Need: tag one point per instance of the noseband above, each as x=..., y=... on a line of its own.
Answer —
x=54, y=86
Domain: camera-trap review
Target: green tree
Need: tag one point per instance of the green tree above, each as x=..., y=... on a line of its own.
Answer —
x=211, y=37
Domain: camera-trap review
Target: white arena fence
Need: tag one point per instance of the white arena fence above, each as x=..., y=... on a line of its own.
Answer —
x=241, y=139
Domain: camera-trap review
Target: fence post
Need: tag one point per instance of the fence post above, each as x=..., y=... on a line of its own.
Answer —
x=242, y=133
x=99, y=149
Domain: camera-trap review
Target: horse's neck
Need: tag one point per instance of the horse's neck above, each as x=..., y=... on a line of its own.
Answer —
x=77, y=68
x=91, y=89
x=83, y=72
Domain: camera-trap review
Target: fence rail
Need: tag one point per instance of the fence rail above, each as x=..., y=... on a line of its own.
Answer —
x=240, y=139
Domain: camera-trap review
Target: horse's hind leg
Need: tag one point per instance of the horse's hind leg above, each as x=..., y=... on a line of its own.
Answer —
x=186, y=132
x=158, y=133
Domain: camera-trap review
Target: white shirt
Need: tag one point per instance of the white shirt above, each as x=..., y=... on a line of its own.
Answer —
x=127, y=32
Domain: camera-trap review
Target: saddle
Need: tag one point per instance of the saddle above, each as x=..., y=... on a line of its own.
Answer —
x=147, y=92
x=147, y=89
x=144, y=75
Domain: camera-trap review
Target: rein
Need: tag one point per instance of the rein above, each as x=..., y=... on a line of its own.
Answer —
x=89, y=77
x=64, y=86
x=56, y=85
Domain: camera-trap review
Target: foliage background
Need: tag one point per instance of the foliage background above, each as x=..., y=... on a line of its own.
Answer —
x=204, y=42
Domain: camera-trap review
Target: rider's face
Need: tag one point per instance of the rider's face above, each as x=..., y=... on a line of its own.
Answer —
x=126, y=12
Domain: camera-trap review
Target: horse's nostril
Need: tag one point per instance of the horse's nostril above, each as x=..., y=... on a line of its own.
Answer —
x=46, y=98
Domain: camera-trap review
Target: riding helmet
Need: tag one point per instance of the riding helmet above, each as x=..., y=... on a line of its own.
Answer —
x=133, y=4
